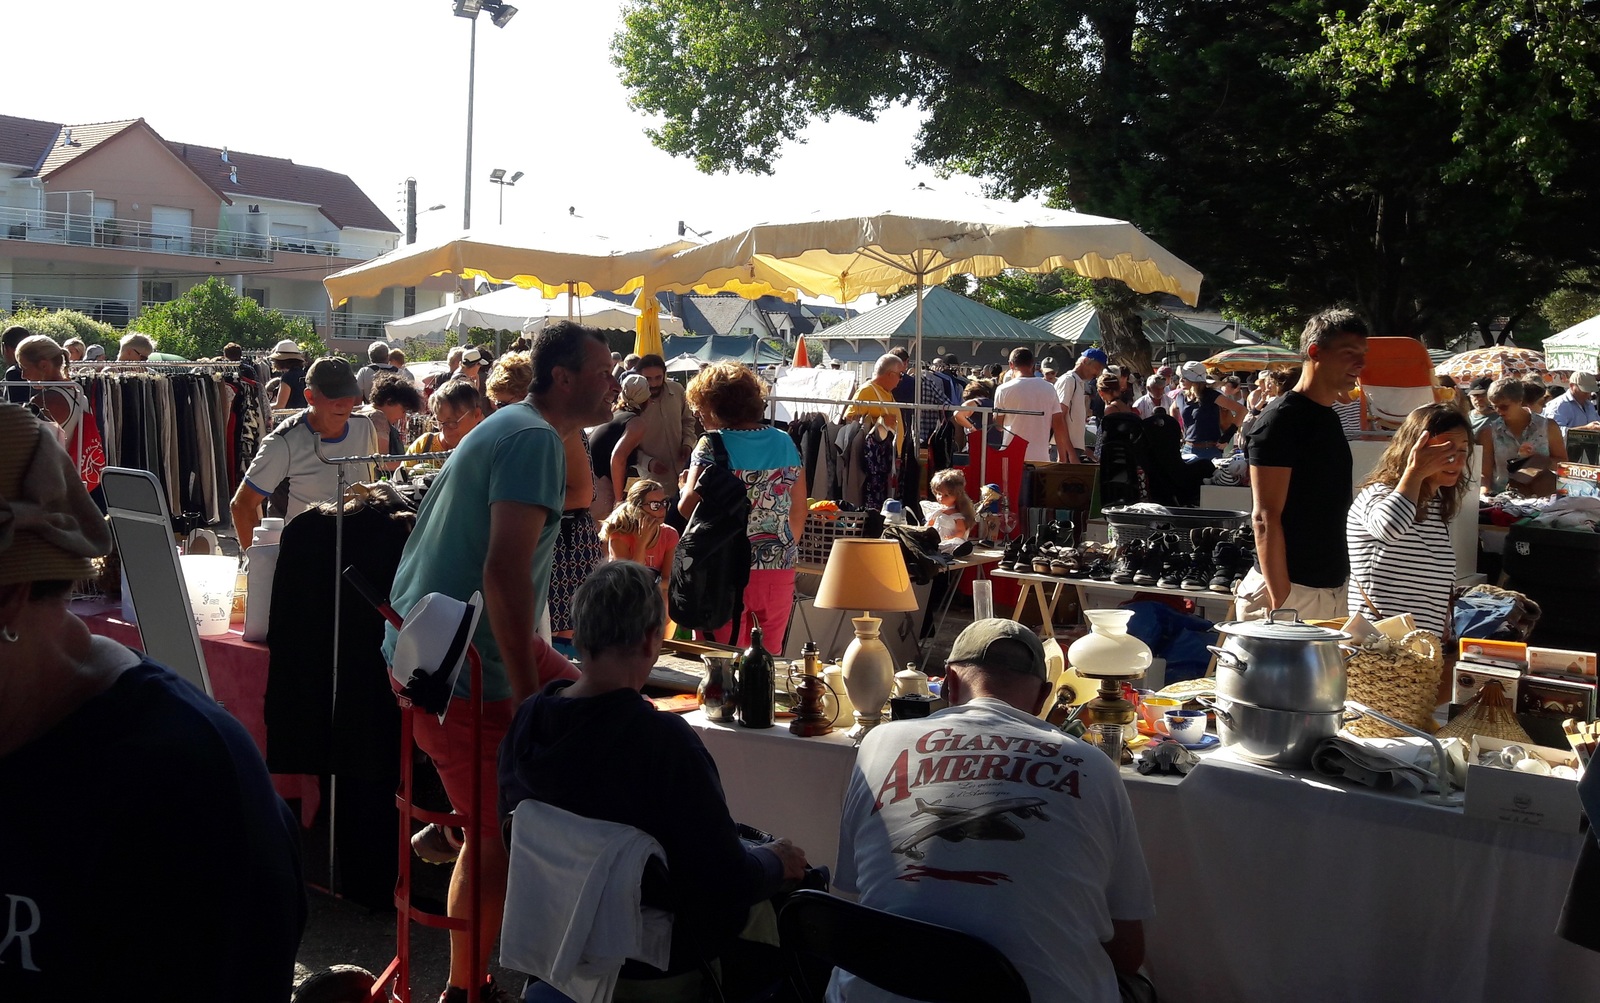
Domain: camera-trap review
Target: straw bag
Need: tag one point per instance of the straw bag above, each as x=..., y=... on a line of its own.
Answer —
x=1396, y=678
x=1489, y=713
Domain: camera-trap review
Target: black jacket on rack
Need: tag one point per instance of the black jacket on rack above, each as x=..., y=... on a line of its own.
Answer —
x=309, y=729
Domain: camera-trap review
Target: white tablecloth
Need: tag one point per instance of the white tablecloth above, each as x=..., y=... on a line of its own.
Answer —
x=1271, y=886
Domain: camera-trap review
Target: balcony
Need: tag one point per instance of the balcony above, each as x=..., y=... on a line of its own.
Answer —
x=115, y=312
x=79, y=230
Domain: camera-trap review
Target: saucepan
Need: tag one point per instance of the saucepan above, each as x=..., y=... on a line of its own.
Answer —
x=1273, y=737
x=1282, y=663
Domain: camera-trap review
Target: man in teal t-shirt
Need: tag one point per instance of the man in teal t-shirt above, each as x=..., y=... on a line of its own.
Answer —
x=489, y=524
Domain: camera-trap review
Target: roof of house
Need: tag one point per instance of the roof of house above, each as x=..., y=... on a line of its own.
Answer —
x=340, y=199
x=73, y=141
x=45, y=148
x=717, y=314
x=25, y=141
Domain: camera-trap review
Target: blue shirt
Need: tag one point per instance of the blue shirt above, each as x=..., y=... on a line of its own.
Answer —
x=1568, y=413
x=513, y=455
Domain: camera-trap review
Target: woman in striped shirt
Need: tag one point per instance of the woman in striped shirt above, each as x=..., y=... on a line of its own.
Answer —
x=1398, y=530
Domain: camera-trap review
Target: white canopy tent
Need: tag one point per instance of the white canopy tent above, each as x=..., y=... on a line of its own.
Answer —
x=516, y=309
x=1577, y=348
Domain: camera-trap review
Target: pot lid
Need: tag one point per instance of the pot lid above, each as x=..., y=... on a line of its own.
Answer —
x=1280, y=627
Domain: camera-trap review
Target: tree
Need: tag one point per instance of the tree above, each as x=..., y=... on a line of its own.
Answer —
x=197, y=324
x=1226, y=130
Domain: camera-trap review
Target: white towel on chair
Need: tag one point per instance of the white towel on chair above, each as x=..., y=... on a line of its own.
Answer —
x=572, y=902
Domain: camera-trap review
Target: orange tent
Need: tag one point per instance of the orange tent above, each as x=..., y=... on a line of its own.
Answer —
x=801, y=360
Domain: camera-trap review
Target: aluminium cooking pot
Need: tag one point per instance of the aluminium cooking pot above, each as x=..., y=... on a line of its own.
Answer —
x=1273, y=737
x=1282, y=663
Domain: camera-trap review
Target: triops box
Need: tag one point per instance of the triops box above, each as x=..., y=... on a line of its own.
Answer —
x=1522, y=798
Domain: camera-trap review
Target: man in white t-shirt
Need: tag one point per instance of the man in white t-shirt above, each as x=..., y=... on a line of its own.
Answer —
x=1075, y=389
x=1028, y=392
x=288, y=456
x=1155, y=396
x=987, y=820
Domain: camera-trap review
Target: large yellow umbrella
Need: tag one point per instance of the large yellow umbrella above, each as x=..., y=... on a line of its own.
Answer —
x=566, y=258
x=647, y=328
x=922, y=239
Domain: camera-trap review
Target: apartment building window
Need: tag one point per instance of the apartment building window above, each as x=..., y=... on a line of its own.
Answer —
x=259, y=295
x=155, y=291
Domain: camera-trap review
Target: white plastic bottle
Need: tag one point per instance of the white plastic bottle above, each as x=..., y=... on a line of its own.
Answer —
x=260, y=564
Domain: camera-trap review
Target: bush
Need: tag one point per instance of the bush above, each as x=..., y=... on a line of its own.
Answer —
x=64, y=324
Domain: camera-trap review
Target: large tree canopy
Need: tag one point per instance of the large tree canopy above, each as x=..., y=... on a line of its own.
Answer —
x=1298, y=157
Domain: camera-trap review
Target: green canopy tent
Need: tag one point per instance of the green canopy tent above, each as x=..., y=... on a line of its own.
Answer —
x=1171, y=340
x=951, y=324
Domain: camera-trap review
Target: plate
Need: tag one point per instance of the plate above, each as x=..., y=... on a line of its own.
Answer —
x=1188, y=689
x=1209, y=742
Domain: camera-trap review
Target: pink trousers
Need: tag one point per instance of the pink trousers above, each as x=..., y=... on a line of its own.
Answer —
x=770, y=598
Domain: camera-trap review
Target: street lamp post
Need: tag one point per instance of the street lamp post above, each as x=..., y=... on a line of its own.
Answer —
x=498, y=177
x=500, y=14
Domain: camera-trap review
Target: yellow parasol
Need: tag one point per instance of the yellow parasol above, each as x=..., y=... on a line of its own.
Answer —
x=647, y=336
x=565, y=258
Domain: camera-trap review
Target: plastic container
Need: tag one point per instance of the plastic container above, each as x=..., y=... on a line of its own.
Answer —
x=260, y=565
x=209, y=582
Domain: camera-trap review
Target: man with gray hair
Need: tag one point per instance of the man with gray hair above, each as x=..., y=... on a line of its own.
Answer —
x=985, y=819
x=596, y=748
x=377, y=364
x=885, y=377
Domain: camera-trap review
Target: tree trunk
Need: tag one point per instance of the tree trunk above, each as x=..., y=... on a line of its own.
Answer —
x=1123, y=334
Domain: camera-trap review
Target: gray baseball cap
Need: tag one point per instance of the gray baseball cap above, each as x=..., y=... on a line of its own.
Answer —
x=1000, y=644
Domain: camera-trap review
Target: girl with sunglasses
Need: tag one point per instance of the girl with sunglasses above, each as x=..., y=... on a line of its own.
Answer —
x=634, y=531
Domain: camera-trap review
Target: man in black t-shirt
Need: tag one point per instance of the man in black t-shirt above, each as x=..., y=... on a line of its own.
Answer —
x=1301, y=481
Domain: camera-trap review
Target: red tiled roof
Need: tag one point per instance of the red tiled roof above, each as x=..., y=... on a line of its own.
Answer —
x=25, y=141
x=340, y=199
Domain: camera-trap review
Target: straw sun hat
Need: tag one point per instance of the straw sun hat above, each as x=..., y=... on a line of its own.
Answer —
x=49, y=529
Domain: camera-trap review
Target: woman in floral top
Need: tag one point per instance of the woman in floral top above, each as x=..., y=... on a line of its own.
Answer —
x=728, y=398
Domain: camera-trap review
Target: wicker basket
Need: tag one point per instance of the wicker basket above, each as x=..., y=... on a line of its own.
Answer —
x=1396, y=678
x=824, y=527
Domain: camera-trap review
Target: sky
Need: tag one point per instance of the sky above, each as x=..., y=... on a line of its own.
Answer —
x=377, y=90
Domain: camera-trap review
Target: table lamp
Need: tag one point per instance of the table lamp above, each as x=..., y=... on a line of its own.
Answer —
x=866, y=575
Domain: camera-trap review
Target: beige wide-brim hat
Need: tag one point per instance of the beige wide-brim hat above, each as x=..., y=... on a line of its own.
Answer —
x=49, y=529
x=287, y=349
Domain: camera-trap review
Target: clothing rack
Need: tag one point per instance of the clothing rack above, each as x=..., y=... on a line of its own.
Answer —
x=340, y=462
x=983, y=432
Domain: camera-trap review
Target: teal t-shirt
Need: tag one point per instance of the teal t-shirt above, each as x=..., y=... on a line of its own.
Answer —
x=513, y=455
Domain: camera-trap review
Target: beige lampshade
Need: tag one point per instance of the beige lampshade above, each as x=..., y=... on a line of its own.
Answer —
x=866, y=575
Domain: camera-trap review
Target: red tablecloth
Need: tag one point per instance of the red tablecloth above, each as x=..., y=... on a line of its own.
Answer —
x=238, y=670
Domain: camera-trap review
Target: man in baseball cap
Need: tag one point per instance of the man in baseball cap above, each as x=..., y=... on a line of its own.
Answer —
x=286, y=468
x=1075, y=390
x=984, y=787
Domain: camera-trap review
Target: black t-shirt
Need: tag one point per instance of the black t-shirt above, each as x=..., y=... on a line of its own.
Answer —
x=144, y=851
x=604, y=440
x=1201, y=421
x=1297, y=432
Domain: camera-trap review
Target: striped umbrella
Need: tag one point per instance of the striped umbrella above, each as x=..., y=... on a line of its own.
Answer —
x=1500, y=362
x=1253, y=358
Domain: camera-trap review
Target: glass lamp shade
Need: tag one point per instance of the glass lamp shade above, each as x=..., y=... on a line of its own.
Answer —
x=866, y=575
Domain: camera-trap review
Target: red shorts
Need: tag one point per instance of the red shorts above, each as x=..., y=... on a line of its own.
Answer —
x=449, y=745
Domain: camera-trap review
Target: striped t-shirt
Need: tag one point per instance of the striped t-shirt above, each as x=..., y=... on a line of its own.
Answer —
x=1404, y=566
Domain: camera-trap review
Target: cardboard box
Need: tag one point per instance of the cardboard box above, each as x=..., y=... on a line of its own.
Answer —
x=1560, y=699
x=1561, y=662
x=1485, y=650
x=1579, y=480
x=1469, y=679
x=1523, y=798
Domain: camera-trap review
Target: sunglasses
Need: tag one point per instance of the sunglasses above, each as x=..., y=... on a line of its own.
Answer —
x=655, y=506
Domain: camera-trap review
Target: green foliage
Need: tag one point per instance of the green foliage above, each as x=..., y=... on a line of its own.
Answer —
x=64, y=324
x=418, y=350
x=197, y=324
x=1420, y=170
x=1572, y=305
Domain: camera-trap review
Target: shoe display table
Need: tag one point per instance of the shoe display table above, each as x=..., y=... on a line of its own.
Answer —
x=1092, y=594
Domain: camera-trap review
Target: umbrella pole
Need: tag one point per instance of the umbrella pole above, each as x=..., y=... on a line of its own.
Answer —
x=916, y=386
